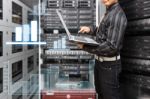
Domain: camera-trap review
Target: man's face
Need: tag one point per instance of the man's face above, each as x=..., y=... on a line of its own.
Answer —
x=109, y=2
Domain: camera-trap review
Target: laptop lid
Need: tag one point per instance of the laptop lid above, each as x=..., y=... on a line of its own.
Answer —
x=63, y=22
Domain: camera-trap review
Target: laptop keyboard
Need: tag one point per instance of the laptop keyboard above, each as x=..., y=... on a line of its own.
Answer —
x=80, y=38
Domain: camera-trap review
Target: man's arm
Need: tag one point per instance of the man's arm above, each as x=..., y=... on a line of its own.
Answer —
x=114, y=37
x=91, y=29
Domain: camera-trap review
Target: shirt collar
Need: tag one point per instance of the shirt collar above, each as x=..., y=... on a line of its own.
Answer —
x=112, y=7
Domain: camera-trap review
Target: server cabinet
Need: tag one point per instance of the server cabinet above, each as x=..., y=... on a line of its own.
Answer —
x=135, y=52
x=64, y=65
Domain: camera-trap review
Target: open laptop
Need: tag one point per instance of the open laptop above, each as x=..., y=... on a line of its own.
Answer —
x=77, y=39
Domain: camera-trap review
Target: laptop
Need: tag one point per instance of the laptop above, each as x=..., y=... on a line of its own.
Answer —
x=76, y=39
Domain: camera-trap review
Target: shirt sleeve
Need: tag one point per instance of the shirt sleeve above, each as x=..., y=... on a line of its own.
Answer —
x=115, y=32
x=93, y=30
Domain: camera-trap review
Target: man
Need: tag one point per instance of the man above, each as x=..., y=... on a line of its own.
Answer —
x=109, y=34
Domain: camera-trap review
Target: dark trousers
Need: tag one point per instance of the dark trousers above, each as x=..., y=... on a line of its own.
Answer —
x=106, y=76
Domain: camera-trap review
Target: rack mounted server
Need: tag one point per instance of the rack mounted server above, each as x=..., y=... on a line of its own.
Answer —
x=76, y=13
x=132, y=9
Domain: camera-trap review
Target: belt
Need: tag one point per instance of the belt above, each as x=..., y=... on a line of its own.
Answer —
x=101, y=58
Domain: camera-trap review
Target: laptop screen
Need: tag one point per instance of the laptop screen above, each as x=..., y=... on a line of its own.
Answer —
x=63, y=22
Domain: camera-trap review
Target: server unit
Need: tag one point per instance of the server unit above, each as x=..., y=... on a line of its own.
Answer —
x=76, y=13
x=138, y=6
x=53, y=3
x=86, y=12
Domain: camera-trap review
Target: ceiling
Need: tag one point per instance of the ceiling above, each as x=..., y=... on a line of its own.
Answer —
x=30, y=3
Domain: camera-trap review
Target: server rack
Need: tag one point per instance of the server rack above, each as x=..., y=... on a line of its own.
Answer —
x=75, y=13
x=11, y=17
x=63, y=60
x=135, y=53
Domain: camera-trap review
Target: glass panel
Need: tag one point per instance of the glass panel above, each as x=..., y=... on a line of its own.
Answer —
x=16, y=48
x=1, y=9
x=1, y=80
x=30, y=16
x=30, y=47
x=30, y=63
x=16, y=13
x=52, y=80
x=1, y=43
x=18, y=94
x=17, y=71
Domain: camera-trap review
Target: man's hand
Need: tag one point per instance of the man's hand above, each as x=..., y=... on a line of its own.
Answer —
x=84, y=29
x=80, y=45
